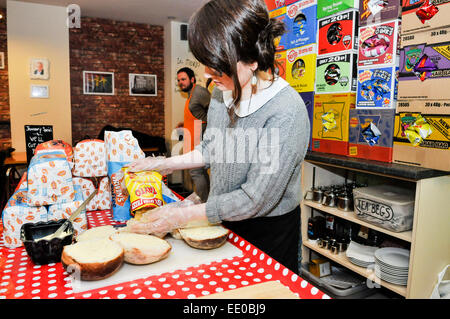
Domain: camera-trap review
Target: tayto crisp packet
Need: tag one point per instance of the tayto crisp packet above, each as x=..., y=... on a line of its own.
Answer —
x=378, y=44
x=300, y=67
x=376, y=11
x=301, y=22
x=377, y=87
x=145, y=190
x=336, y=73
x=338, y=33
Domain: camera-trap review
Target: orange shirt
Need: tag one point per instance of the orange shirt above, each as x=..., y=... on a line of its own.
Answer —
x=192, y=127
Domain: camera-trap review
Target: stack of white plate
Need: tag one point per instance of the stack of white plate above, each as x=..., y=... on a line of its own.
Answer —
x=360, y=255
x=392, y=265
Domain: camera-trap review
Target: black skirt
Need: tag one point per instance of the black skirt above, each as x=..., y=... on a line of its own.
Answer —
x=276, y=236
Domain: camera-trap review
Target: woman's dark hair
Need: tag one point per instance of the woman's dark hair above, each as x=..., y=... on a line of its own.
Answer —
x=222, y=33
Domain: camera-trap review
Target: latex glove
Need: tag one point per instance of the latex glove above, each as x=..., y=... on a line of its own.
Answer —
x=160, y=164
x=167, y=218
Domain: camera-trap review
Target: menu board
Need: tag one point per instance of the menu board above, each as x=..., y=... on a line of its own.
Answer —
x=35, y=135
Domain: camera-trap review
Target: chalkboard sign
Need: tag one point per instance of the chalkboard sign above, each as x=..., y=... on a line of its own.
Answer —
x=35, y=135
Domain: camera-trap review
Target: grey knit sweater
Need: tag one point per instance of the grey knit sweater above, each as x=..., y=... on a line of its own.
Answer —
x=256, y=165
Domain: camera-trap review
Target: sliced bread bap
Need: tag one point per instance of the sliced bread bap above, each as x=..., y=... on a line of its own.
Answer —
x=92, y=259
x=207, y=237
x=142, y=249
x=97, y=233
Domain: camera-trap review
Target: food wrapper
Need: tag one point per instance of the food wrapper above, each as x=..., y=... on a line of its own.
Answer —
x=329, y=121
x=90, y=159
x=56, y=145
x=102, y=200
x=16, y=213
x=416, y=129
x=371, y=134
x=121, y=149
x=145, y=189
x=427, y=11
x=49, y=179
x=65, y=210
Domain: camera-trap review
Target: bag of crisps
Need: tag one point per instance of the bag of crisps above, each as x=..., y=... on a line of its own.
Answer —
x=145, y=190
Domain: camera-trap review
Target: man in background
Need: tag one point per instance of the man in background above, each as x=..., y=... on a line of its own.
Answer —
x=195, y=114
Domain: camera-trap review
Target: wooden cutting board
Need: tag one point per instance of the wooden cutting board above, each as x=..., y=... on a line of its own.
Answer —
x=266, y=290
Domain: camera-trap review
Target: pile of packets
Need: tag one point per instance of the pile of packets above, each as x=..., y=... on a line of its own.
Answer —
x=59, y=178
x=363, y=68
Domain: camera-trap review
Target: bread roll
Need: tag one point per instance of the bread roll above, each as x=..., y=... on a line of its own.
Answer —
x=97, y=233
x=92, y=259
x=208, y=237
x=142, y=249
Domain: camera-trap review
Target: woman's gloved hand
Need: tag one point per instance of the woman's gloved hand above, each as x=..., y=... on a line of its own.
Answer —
x=161, y=164
x=167, y=218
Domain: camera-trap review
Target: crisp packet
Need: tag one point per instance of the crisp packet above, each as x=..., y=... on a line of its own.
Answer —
x=329, y=121
x=371, y=134
x=145, y=190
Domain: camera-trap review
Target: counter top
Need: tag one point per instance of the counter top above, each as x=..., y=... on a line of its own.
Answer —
x=21, y=279
x=374, y=167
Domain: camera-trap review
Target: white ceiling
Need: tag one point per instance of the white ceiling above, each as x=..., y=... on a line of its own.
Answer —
x=155, y=12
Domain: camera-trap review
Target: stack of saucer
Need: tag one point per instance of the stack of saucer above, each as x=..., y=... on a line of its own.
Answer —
x=360, y=255
x=392, y=265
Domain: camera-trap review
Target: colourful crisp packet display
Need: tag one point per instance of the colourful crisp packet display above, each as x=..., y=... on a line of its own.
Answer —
x=49, y=179
x=301, y=22
x=16, y=213
x=121, y=149
x=336, y=73
x=90, y=159
x=378, y=44
x=65, y=210
x=377, y=87
x=338, y=33
x=301, y=67
x=102, y=200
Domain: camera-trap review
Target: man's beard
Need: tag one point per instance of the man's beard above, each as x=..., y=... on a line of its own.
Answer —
x=188, y=89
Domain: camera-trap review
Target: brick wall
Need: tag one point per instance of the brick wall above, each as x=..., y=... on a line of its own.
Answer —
x=5, y=130
x=122, y=48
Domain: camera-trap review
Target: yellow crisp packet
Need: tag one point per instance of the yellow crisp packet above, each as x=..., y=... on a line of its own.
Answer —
x=413, y=137
x=145, y=189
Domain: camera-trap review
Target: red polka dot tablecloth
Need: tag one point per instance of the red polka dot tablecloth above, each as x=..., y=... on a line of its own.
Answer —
x=21, y=279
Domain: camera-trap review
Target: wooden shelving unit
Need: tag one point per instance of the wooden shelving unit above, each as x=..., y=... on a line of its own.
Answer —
x=342, y=259
x=351, y=216
x=429, y=238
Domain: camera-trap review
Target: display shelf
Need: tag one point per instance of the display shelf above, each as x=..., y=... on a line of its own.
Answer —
x=351, y=216
x=428, y=238
x=342, y=259
x=399, y=171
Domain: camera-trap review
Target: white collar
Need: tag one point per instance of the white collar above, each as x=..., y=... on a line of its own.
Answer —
x=250, y=106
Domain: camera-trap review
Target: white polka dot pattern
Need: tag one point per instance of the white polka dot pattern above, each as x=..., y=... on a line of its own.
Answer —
x=21, y=279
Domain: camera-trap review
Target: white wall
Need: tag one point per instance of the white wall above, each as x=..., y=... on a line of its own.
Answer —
x=38, y=31
x=176, y=56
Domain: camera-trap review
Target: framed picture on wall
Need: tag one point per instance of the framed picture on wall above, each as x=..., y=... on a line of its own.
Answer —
x=143, y=84
x=39, y=91
x=2, y=60
x=98, y=83
x=39, y=68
